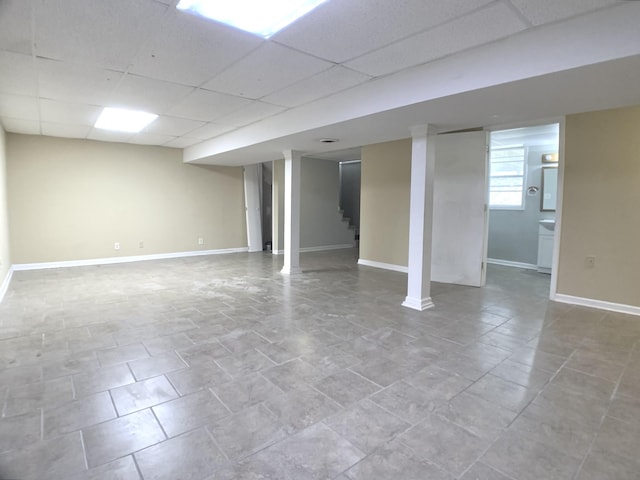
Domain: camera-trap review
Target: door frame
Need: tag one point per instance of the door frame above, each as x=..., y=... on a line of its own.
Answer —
x=553, y=287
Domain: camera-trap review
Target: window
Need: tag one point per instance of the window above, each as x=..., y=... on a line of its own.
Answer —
x=506, y=177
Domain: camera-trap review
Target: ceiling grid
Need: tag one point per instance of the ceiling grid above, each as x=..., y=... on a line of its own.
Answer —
x=62, y=62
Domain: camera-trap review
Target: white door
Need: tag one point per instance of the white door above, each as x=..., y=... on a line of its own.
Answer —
x=459, y=213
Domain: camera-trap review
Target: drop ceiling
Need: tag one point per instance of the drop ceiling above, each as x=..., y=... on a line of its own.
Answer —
x=361, y=71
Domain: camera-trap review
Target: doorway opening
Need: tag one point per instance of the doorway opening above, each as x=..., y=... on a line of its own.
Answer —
x=266, y=204
x=523, y=166
x=350, y=176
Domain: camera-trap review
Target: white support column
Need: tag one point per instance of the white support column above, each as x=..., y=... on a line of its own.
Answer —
x=292, y=161
x=420, y=220
x=252, y=190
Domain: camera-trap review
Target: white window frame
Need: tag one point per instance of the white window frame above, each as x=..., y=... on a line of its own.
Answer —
x=524, y=177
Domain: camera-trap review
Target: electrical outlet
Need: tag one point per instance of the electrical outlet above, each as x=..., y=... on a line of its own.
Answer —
x=590, y=261
x=116, y=246
x=141, y=245
x=200, y=241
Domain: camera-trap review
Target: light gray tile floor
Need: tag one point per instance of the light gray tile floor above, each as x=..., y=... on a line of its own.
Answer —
x=219, y=367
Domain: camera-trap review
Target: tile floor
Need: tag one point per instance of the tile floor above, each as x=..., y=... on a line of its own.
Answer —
x=220, y=368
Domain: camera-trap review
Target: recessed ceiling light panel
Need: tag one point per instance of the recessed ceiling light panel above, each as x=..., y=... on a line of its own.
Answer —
x=260, y=17
x=122, y=120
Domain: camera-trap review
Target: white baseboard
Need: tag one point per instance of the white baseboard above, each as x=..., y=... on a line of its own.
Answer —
x=385, y=266
x=133, y=258
x=321, y=248
x=599, y=304
x=5, y=284
x=419, y=304
x=326, y=247
x=508, y=263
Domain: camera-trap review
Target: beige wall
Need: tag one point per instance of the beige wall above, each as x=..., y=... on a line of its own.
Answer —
x=601, y=207
x=384, y=202
x=5, y=251
x=72, y=199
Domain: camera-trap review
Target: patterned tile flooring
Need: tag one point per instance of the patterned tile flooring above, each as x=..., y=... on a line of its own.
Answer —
x=219, y=367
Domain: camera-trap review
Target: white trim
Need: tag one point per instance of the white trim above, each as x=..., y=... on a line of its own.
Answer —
x=291, y=271
x=509, y=263
x=557, y=234
x=5, y=284
x=599, y=304
x=326, y=247
x=419, y=304
x=321, y=248
x=133, y=258
x=385, y=266
x=485, y=233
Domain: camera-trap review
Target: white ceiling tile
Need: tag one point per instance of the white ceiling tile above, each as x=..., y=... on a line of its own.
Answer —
x=19, y=107
x=15, y=26
x=68, y=113
x=142, y=93
x=18, y=74
x=109, y=135
x=483, y=26
x=150, y=139
x=182, y=142
x=544, y=11
x=172, y=126
x=95, y=32
x=64, y=130
x=190, y=50
x=339, y=31
x=207, y=105
x=321, y=85
x=265, y=70
x=251, y=113
x=210, y=130
x=75, y=83
x=18, y=125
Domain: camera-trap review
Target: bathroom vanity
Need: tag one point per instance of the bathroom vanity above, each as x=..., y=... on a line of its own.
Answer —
x=546, y=229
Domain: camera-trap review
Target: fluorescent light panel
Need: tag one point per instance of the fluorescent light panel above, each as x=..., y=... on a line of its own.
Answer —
x=260, y=17
x=122, y=120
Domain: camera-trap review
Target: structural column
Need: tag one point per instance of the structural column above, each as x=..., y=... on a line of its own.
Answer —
x=420, y=220
x=291, y=212
x=252, y=184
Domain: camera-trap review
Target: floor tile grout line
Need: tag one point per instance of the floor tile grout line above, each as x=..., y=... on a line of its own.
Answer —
x=535, y=397
x=84, y=450
x=166, y=437
x=42, y=425
x=604, y=416
x=213, y=392
x=135, y=463
x=215, y=442
x=113, y=403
